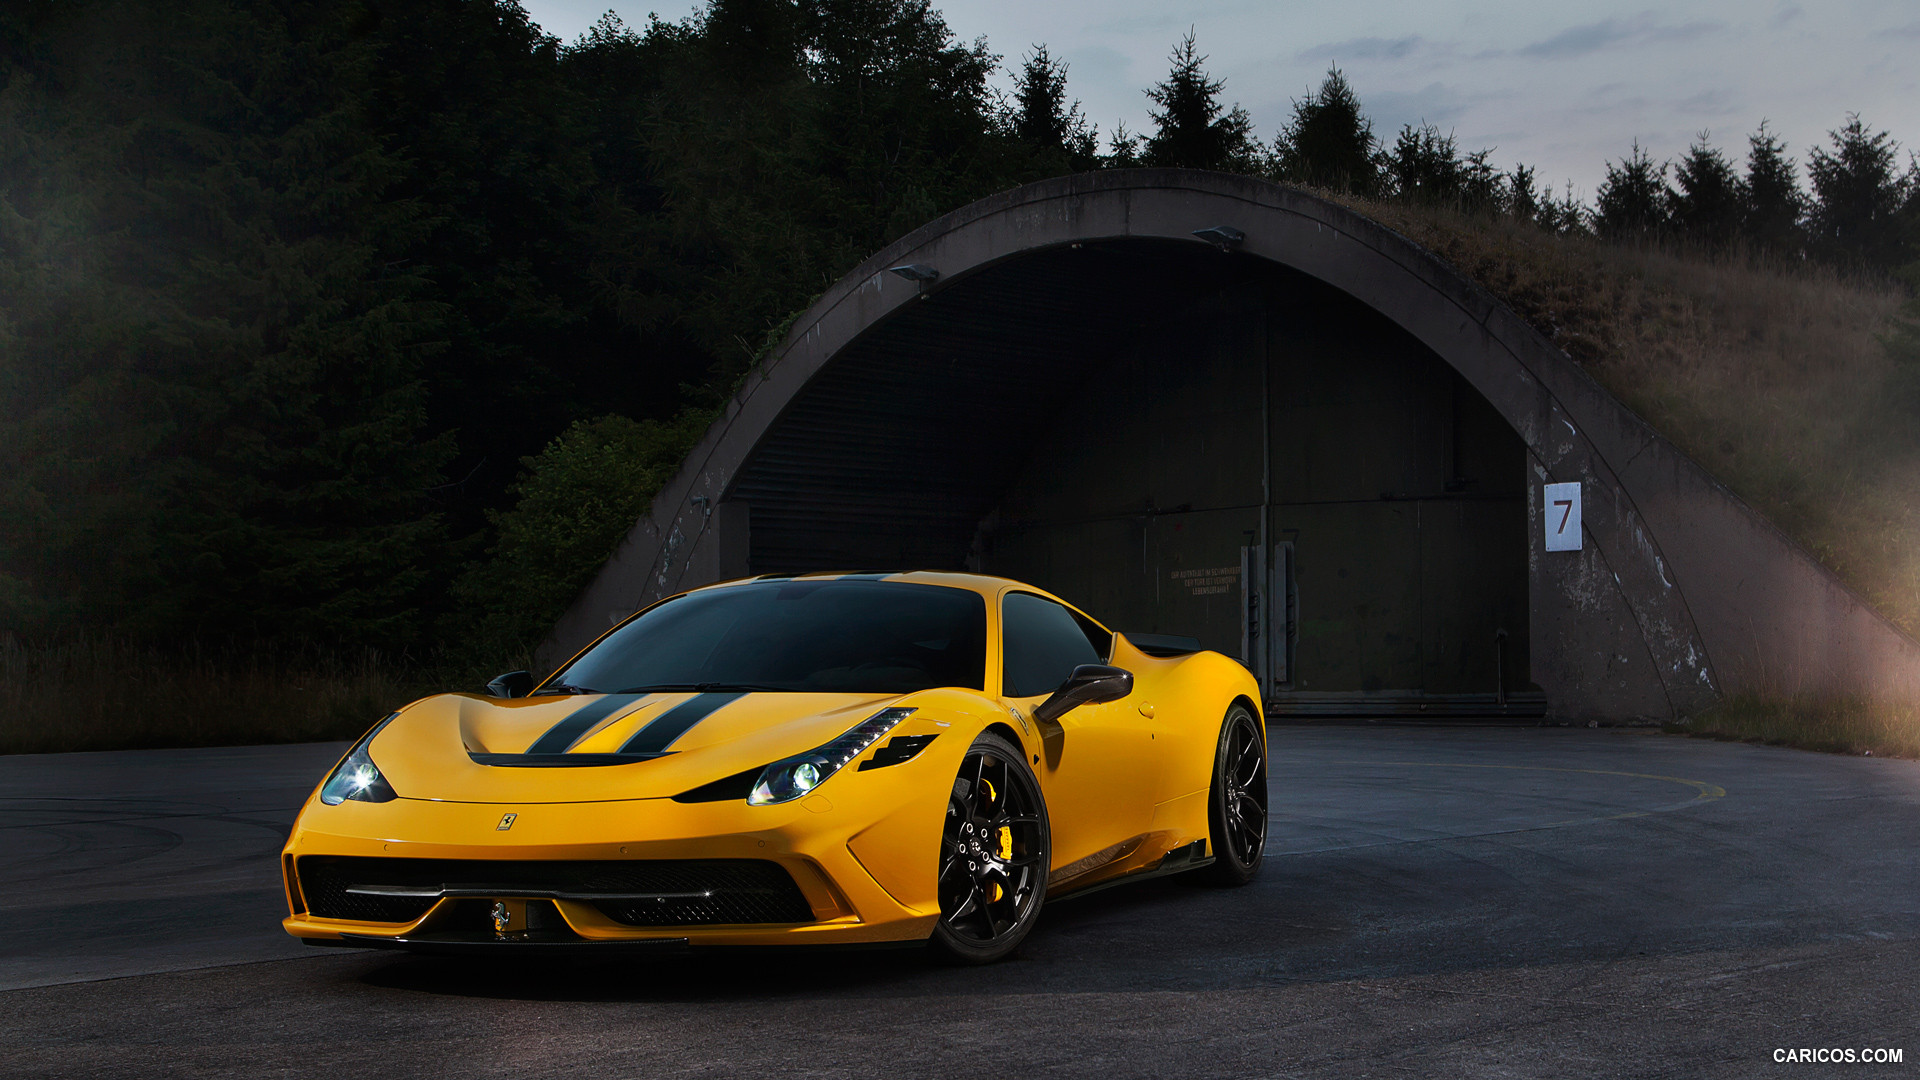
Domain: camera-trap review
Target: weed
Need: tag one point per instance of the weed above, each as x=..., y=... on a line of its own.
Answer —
x=110, y=694
x=1851, y=726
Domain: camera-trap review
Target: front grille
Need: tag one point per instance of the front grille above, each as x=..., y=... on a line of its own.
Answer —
x=741, y=891
x=636, y=892
x=324, y=881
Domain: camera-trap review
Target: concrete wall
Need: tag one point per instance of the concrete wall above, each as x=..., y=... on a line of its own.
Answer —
x=1679, y=594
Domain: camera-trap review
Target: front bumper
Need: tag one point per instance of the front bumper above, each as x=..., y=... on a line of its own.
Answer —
x=820, y=847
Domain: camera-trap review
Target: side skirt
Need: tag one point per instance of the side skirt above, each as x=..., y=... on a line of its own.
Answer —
x=1178, y=861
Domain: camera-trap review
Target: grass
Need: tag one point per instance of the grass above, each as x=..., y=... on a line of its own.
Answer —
x=1773, y=377
x=111, y=694
x=1835, y=727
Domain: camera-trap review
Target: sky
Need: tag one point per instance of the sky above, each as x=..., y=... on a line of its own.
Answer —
x=1562, y=87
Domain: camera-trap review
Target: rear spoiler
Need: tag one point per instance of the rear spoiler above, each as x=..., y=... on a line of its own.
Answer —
x=1163, y=644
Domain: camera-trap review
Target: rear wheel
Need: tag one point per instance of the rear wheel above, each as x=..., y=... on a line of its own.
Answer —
x=1237, y=802
x=993, y=855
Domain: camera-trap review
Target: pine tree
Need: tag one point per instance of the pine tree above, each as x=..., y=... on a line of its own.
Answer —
x=266, y=267
x=1773, y=205
x=1329, y=141
x=751, y=198
x=1633, y=200
x=1123, y=149
x=1566, y=215
x=227, y=405
x=1482, y=189
x=1424, y=166
x=1192, y=131
x=902, y=112
x=1523, y=201
x=1044, y=119
x=1857, y=198
x=1707, y=200
x=758, y=43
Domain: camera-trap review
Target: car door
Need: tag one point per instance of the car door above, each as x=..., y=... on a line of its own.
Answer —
x=1096, y=758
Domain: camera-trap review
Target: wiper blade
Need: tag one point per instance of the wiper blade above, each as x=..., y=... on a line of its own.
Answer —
x=562, y=688
x=704, y=688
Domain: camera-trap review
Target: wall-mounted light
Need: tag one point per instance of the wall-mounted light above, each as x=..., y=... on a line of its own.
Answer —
x=919, y=272
x=1224, y=237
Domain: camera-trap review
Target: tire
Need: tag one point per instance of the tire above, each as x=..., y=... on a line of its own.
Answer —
x=994, y=855
x=1237, y=802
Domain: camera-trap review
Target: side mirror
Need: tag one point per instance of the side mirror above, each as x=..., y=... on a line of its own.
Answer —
x=1090, y=684
x=512, y=684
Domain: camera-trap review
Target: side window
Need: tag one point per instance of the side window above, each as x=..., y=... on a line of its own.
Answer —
x=1042, y=642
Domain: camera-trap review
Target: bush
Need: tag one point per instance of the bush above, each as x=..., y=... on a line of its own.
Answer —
x=573, y=504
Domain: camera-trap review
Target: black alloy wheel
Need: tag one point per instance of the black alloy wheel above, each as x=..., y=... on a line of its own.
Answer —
x=993, y=855
x=1237, y=804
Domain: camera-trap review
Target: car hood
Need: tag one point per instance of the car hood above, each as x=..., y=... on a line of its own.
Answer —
x=595, y=747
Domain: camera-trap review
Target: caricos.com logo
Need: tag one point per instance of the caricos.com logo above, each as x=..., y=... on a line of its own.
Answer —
x=1841, y=1055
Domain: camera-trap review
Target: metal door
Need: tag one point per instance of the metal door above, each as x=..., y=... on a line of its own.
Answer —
x=1270, y=624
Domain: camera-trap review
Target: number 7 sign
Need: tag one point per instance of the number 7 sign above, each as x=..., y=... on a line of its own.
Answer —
x=1561, y=516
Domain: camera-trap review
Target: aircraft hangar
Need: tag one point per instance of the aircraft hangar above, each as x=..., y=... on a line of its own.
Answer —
x=1209, y=406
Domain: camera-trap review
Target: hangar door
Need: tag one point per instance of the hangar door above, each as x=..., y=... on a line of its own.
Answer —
x=1394, y=574
x=1284, y=475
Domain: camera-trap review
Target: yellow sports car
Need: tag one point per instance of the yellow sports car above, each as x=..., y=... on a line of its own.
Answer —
x=831, y=758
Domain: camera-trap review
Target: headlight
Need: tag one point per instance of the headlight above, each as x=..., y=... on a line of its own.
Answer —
x=789, y=779
x=357, y=777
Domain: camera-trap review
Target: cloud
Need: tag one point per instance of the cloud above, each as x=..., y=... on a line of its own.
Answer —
x=1158, y=23
x=1100, y=62
x=1633, y=106
x=1365, y=48
x=1580, y=40
x=1911, y=30
x=1707, y=103
x=1610, y=33
x=1435, y=103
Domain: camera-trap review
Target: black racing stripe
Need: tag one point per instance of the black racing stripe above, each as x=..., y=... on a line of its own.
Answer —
x=567, y=732
x=676, y=721
x=558, y=761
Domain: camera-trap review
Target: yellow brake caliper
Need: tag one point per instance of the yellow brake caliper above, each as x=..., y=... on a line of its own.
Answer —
x=1004, y=849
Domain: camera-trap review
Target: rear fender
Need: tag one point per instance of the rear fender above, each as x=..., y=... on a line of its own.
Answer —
x=1190, y=696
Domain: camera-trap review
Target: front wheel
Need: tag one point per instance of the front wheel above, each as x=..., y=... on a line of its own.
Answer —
x=993, y=855
x=1237, y=802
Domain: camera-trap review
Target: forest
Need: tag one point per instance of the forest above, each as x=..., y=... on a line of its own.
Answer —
x=360, y=332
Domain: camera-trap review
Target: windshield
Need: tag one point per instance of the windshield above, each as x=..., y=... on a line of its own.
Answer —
x=814, y=636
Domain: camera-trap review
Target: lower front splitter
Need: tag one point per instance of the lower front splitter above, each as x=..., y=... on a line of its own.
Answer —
x=479, y=945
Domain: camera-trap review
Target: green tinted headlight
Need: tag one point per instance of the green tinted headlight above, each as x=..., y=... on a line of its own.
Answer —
x=791, y=778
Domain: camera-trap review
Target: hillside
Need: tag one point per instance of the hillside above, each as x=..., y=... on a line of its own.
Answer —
x=1777, y=379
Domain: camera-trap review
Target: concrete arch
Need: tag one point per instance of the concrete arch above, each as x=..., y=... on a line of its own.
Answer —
x=1721, y=601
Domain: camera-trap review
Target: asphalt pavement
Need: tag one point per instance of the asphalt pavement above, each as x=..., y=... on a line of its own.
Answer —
x=1437, y=901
